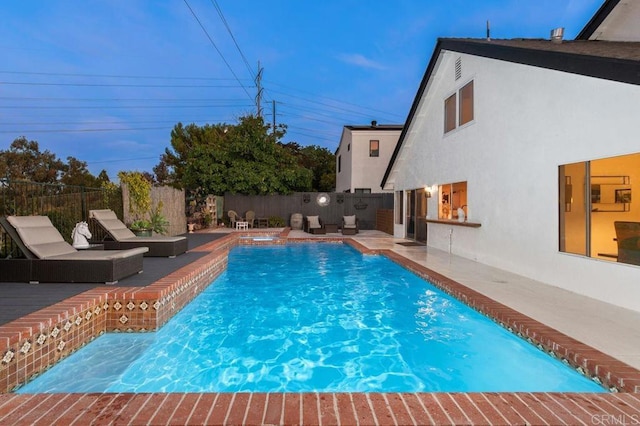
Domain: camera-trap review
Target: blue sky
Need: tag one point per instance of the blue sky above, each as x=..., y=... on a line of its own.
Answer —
x=105, y=81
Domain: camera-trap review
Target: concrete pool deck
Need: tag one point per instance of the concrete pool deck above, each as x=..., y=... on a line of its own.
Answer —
x=570, y=321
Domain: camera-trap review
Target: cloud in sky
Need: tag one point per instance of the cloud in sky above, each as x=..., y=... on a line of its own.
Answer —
x=360, y=61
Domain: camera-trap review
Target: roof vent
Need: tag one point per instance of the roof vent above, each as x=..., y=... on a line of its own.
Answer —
x=374, y=123
x=557, y=34
x=458, y=68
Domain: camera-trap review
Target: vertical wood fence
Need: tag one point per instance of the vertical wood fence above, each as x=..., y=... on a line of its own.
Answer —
x=364, y=206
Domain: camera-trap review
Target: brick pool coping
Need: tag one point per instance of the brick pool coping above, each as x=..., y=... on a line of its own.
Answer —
x=33, y=343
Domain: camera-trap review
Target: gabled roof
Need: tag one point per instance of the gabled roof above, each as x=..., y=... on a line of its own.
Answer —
x=597, y=19
x=376, y=127
x=617, y=61
x=616, y=20
x=368, y=127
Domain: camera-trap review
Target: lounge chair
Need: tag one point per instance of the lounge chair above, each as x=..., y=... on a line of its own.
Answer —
x=313, y=225
x=350, y=225
x=120, y=237
x=628, y=239
x=49, y=258
x=250, y=218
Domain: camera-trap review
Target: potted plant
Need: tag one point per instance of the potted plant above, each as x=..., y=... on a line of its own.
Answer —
x=141, y=227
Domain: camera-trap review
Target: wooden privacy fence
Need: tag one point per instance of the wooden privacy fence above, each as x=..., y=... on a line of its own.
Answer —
x=173, y=207
x=364, y=206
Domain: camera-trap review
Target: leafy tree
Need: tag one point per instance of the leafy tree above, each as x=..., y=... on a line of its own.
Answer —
x=24, y=161
x=76, y=173
x=243, y=159
x=103, y=177
x=162, y=172
x=322, y=163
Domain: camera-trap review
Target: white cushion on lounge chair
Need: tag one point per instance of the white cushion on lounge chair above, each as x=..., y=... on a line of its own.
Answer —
x=314, y=222
x=112, y=224
x=43, y=239
x=40, y=236
x=349, y=221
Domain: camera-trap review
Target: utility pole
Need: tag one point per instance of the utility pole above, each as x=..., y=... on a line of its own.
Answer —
x=274, y=119
x=259, y=91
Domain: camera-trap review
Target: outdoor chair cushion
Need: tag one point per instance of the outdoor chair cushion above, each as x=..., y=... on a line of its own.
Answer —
x=43, y=239
x=110, y=221
x=40, y=236
x=349, y=221
x=314, y=222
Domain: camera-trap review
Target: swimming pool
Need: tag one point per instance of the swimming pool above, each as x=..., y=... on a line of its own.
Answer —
x=315, y=317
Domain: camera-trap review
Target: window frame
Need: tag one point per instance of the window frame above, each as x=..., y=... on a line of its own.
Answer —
x=459, y=107
x=374, y=152
x=465, y=101
x=450, y=113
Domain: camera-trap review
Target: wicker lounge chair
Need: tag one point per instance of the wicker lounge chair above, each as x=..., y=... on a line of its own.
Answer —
x=314, y=225
x=350, y=225
x=49, y=258
x=120, y=237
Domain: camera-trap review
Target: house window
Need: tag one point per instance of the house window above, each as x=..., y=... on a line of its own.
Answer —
x=399, y=210
x=458, y=108
x=453, y=201
x=466, y=103
x=339, y=163
x=362, y=191
x=374, y=148
x=450, y=113
x=598, y=211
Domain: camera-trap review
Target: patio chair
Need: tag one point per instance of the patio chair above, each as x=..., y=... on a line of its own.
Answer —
x=49, y=258
x=234, y=217
x=628, y=239
x=120, y=237
x=313, y=225
x=350, y=225
x=250, y=218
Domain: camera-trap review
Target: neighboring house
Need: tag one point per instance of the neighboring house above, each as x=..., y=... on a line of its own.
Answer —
x=521, y=154
x=363, y=155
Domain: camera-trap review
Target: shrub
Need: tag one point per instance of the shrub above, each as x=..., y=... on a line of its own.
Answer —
x=276, y=222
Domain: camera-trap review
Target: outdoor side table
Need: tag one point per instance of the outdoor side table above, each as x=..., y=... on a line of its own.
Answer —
x=331, y=227
x=263, y=222
x=242, y=225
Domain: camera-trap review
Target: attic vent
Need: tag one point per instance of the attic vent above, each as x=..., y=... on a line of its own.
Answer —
x=458, y=68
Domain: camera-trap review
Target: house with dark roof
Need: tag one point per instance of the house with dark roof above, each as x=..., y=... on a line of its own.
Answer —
x=362, y=156
x=524, y=154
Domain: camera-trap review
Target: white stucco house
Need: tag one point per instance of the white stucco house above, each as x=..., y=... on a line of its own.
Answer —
x=363, y=155
x=523, y=154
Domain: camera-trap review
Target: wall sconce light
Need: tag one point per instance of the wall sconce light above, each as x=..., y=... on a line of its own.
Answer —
x=340, y=198
x=306, y=198
x=427, y=191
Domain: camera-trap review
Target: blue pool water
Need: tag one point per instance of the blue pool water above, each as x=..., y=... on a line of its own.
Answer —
x=315, y=317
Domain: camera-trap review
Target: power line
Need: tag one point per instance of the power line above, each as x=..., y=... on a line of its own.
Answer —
x=330, y=99
x=119, y=85
x=119, y=106
x=216, y=47
x=224, y=21
x=114, y=76
x=83, y=130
